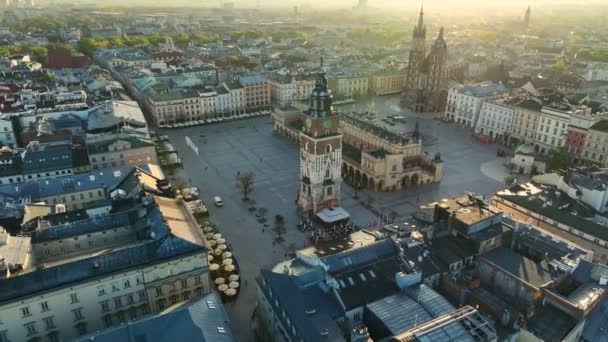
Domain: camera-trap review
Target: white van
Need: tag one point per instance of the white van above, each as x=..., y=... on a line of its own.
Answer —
x=218, y=201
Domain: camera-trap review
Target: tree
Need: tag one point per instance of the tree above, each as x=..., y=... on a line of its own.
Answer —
x=182, y=39
x=558, y=159
x=279, y=227
x=509, y=180
x=87, y=46
x=116, y=42
x=48, y=77
x=244, y=182
x=38, y=53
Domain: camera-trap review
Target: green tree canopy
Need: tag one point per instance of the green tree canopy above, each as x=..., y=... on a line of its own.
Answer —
x=558, y=159
x=38, y=53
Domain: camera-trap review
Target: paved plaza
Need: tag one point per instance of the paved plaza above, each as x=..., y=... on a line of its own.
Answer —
x=249, y=145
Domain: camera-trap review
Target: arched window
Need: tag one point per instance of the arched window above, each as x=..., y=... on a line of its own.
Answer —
x=327, y=174
x=328, y=148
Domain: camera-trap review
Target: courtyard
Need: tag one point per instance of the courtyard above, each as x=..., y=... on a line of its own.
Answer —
x=250, y=146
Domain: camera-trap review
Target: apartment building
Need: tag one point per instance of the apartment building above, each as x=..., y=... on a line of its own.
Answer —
x=555, y=212
x=464, y=102
x=552, y=126
x=577, y=134
x=257, y=92
x=349, y=86
x=283, y=89
x=595, y=146
x=304, y=86
x=526, y=115
x=495, y=119
x=387, y=82
x=7, y=133
x=120, y=148
x=73, y=191
x=62, y=281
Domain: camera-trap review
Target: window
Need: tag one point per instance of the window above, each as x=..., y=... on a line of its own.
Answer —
x=100, y=290
x=115, y=287
x=44, y=306
x=31, y=328
x=118, y=302
x=159, y=291
x=78, y=314
x=127, y=283
x=142, y=296
x=132, y=313
x=25, y=311
x=3, y=337
x=105, y=306
x=49, y=323
x=74, y=298
x=130, y=299
x=329, y=191
x=197, y=279
x=184, y=283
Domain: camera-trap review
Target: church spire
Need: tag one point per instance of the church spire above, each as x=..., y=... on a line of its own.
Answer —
x=420, y=29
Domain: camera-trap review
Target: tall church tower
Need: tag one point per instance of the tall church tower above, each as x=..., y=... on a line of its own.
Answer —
x=527, y=18
x=417, y=52
x=437, y=59
x=320, y=151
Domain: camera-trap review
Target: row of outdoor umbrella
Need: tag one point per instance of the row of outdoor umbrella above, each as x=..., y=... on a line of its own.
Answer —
x=221, y=264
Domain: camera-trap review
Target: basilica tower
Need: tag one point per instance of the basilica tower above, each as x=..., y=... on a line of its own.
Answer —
x=417, y=53
x=320, y=151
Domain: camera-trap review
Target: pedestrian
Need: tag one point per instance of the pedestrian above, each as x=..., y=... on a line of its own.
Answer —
x=238, y=173
x=273, y=243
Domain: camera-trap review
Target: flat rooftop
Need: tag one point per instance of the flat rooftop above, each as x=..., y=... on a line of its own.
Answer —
x=550, y=324
x=468, y=209
x=180, y=221
x=355, y=240
x=535, y=274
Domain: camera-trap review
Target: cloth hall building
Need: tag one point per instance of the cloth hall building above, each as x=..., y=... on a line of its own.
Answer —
x=372, y=157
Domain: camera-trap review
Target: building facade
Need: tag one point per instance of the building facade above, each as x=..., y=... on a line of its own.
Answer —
x=530, y=209
x=551, y=133
x=124, y=148
x=464, y=102
x=526, y=115
x=495, y=119
x=88, y=287
x=595, y=146
x=349, y=86
x=320, y=152
x=373, y=157
x=386, y=82
x=257, y=92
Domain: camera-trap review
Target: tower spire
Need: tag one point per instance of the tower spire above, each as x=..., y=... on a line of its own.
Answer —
x=420, y=29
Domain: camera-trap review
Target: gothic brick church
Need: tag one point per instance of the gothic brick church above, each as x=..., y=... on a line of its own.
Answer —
x=426, y=73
